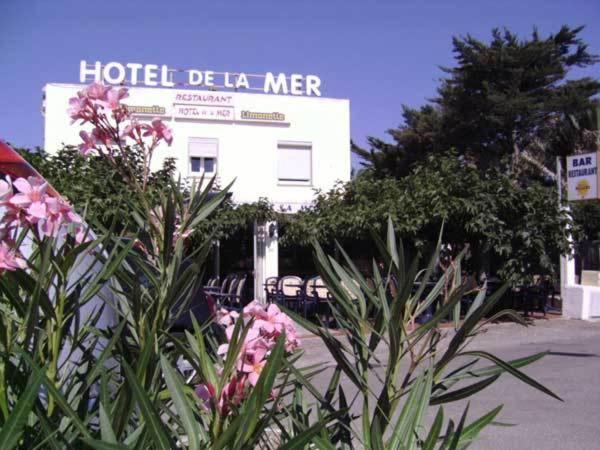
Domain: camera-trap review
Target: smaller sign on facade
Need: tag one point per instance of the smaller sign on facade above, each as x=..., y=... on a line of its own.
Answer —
x=262, y=116
x=203, y=112
x=582, y=176
x=154, y=110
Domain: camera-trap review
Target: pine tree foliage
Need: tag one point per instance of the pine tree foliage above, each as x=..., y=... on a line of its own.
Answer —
x=497, y=105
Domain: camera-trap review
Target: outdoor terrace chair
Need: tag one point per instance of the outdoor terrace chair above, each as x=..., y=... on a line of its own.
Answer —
x=319, y=299
x=226, y=284
x=271, y=289
x=235, y=298
x=227, y=289
x=212, y=284
x=290, y=292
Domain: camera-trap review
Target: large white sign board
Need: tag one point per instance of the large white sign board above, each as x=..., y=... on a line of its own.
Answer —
x=582, y=176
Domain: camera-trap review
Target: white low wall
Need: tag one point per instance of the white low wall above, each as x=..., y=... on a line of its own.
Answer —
x=581, y=302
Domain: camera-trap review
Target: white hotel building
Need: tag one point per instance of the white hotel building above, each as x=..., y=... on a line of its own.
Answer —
x=280, y=147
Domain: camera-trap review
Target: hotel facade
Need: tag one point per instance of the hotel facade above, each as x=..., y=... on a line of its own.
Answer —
x=274, y=146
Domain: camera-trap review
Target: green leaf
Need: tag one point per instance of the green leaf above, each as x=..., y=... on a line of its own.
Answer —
x=101, y=445
x=106, y=431
x=471, y=431
x=57, y=396
x=512, y=370
x=182, y=404
x=434, y=431
x=153, y=422
x=13, y=427
x=464, y=392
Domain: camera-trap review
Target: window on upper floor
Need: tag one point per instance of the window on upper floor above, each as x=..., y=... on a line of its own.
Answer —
x=294, y=163
x=202, y=154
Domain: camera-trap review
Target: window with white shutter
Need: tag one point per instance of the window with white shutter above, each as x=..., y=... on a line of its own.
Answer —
x=294, y=163
x=202, y=154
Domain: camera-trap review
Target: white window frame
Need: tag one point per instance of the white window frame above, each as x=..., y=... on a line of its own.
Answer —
x=203, y=155
x=298, y=145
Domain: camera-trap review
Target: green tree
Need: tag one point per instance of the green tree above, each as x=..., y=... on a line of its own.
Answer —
x=496, y=104
x=520, y=230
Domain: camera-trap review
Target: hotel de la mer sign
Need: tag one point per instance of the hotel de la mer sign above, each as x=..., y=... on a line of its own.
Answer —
x=582, y=176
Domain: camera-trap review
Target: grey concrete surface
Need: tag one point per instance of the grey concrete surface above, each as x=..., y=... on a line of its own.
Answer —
x=571, y=370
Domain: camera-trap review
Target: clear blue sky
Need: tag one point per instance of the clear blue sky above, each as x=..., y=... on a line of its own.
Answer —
x=379, y=54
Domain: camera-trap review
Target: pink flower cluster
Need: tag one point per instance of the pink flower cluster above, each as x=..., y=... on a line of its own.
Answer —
x=267, y=324
x=24, y=203
x=10, y=258
x=98, y=104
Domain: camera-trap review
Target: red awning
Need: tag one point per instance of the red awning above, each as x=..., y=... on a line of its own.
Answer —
x=13, y=164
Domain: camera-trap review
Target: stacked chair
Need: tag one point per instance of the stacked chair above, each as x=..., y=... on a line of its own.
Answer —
x=230, y=293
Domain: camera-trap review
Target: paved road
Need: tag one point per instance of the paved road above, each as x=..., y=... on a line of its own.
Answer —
x=572, y=370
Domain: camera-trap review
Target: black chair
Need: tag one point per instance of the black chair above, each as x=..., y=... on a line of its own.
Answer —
x=228, y=289
x=318, y=300
x=212, y=285
x=290, y=292
x=271, y=289
x=235, y=298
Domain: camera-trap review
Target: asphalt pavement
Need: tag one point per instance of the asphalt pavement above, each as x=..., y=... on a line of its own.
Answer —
x=539, y=422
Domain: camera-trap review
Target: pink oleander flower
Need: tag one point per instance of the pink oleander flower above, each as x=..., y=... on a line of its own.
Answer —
x=121, y=113
x=112, y=98
x=133, y=130
x=253, y=367
x=32, y=206
x=89, y=143
x=159, y=131
x=232, y=395
x=6, y=191
x=59, y=215
x=102, y=137
x=31, y=198
x=251, y=335
x=10, y=259
x=81, y=235
x=225, y=317
x=273, y=320
x=78, y=108
x=96, y=91
x=254, y=309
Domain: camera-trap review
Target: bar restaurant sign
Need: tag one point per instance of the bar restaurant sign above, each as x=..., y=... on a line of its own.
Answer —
x=154, y=75
x=582, y=176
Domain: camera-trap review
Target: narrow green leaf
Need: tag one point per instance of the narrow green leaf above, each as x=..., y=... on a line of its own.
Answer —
x=434, y=431
x=101, y=445
x=464, y=392
x=106, y=431
x=13, y=427
x=182, y=404
x=512, y=370
x=153, y=423
x=471, y=431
